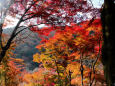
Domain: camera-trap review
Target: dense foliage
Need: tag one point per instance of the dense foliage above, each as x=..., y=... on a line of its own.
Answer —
x=73, y=54
x=69, y=45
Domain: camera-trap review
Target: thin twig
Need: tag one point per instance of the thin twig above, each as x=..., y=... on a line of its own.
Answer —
x=81, y=68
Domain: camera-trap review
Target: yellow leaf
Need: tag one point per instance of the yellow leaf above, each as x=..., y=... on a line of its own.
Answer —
x=36, y=58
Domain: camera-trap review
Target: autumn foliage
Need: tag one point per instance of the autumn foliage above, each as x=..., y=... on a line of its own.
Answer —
x=10, y=69
x=73, y=53
x=69, y=50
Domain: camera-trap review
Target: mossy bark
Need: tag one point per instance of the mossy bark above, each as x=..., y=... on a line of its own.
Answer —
x=108, y=48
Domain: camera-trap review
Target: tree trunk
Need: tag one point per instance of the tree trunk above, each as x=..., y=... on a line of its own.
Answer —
x=108, y=48
x=2, y=54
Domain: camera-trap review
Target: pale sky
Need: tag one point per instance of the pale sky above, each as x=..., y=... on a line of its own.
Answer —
x=3, y=3
x=97, y=3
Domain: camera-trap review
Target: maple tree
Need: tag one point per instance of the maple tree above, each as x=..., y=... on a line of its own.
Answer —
x=10, y=72
x=68, y=50
x=35, y=12
x=10, y=68
x=56, y=17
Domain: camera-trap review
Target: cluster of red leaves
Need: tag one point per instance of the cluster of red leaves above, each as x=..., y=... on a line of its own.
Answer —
x=83, y=38
x=45, y=11
x=44, y=31
x=90, y=34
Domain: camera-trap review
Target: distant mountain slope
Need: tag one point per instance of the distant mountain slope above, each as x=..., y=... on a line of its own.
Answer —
x=26, y=47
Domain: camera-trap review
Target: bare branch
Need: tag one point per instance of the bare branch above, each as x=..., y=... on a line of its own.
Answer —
x=21, y=31
x=22, y=38
x=17, y=26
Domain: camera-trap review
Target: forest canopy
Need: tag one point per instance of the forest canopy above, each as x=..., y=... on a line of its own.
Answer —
x=73, y=40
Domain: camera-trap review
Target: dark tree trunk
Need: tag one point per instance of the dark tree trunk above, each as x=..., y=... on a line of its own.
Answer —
x=5, y=48
x=108, y=48
x=2, y=54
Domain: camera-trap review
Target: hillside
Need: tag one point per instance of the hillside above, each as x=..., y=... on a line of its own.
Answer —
x=26, y=47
